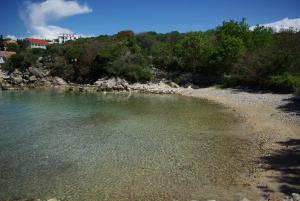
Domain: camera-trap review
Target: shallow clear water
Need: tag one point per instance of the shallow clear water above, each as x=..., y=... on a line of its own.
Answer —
x=117, y=147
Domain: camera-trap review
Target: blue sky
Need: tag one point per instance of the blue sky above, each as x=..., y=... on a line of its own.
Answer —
x=96, y=17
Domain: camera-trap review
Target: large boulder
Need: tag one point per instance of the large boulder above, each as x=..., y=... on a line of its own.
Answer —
x=16, y=73
x=16, y=79
x=39, y=73
x=32, y=78
x=59, y=81
x=296, y=196
x=5, y=85
x=105, y=84
x=173, y=85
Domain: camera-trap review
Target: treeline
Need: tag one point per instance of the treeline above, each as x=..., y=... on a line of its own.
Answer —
x=230, y=54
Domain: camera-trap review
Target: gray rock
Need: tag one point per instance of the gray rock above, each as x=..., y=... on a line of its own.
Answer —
x=105, y=84
x=5, y=86
x=45, y=81
x=39, y=73
x=173, y=85
x=296, y=196
x=243, y=199
x=17, y=79
x=53, y=199
x=32, y=78
x=59, y=81
x=16, y=73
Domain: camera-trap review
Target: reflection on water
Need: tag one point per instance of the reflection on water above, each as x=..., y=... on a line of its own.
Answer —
x=114, y=147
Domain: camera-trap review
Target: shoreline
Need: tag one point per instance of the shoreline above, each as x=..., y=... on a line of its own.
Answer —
x=276, y=125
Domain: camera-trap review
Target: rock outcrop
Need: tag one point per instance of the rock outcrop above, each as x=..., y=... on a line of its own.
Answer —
x=30, y=78
x=35, y=77
x=118, y=84
x=111, y=84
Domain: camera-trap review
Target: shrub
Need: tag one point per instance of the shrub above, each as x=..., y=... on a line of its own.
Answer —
x=285, y=83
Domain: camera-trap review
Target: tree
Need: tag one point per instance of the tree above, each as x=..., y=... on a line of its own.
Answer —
x=195, y=50
x=73, y=55
x=12, y=47
x=260, y=37
x=231, y=40
x=2, y=47
x=234, y=29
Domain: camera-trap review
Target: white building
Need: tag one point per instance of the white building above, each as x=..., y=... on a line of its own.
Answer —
x=67, y=37
x=36, y=43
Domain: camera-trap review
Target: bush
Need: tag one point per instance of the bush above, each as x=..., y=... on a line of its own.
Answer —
x=285, y=83
x=297, y=91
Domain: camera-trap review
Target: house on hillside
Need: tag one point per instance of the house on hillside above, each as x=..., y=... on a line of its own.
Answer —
x=4, y=55
x=36, y=43
x=67, y=37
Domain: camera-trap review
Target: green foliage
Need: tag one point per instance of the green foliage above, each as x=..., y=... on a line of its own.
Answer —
x=195, y=50
x=231, y=52
x=122, y=60
x=24, y=59
x=297, y=91
x=234, y=29
x=260, y=37
x=22, y=45
x=285, y=82
x=1, y=43
x=12, y=47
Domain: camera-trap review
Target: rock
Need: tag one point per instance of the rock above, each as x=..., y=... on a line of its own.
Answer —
x=53, y=199
x=105, y=84
x=16, y=73
x=80, y=89
x=59, y=81
x=173, y=85
x=32, y=78
x=17, y=79
x=274, y=197
x=296, y=196
x=39, y=73
x=5, y=86
x=3, y=75
x=45, y=81
x=244, y=199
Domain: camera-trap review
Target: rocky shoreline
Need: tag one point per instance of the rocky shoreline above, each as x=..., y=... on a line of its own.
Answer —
x=39, y=78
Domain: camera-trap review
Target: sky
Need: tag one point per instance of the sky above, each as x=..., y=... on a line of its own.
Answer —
x=48, y=18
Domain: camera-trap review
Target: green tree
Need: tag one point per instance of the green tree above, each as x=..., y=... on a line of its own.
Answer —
x=12, y=47
x=1, y=43
x=73, y=55
x=195, y=50
x=260, y=37
x=236, y=29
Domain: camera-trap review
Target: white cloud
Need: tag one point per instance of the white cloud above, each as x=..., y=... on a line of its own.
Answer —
x=285, y=23
x=11, y=37
x=37, y=16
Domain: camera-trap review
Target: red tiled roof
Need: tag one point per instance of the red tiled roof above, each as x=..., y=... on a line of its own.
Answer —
x=38, y=41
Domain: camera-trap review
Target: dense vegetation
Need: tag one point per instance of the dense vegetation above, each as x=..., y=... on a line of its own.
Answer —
x=230, y=54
